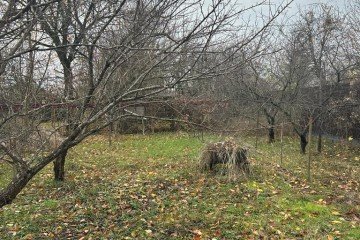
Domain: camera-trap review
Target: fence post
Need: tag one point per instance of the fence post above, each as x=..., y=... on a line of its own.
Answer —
x=257, y=129
x=309, y=150
x=143, y=125
x=110, y=132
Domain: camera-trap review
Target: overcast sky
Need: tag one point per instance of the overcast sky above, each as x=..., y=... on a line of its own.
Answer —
x=298, y=2
x=294, y=7
x=291, y=12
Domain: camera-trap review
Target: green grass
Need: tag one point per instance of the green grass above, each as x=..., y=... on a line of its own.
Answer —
x=148, y=187
x=6, y=173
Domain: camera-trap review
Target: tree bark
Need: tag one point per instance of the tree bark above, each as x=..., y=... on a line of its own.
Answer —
x=13, y=189
x=303, y=143
x=59, y=167
x=271, y=121
x=271, y=134
x=59, y=163
x=319, y=143
x=68, y=80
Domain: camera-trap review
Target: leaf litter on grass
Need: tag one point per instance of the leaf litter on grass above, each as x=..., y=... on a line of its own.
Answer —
x=148, y=187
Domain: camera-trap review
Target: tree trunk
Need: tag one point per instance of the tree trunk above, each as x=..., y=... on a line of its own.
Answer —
x=13, y=189
x=271, y=134
x=303, y=143
x=319, y=143
x=59, y=167
x=271, y=121
x=59, y=163
x=68, y=80
x=173, y=125
x=20, y=180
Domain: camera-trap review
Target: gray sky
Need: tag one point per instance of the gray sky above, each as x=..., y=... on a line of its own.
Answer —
x=297, y=3
x=291, y=12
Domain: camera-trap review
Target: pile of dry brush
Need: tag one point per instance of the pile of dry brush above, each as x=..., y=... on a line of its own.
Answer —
x=227, y=153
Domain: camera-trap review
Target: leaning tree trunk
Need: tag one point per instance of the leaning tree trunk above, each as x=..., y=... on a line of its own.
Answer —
x=19, y=181
x=303, y=143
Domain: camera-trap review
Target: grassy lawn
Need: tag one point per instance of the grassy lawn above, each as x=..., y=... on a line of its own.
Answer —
x=148, y=187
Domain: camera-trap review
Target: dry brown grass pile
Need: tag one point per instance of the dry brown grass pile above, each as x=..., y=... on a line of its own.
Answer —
x=227, y=153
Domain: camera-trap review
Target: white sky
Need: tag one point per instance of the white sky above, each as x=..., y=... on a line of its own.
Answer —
x=291, y=13
x=294, y=7
x=297, y=2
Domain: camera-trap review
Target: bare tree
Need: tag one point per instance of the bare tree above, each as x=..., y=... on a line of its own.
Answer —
x=299, y=79
x=109, y=56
